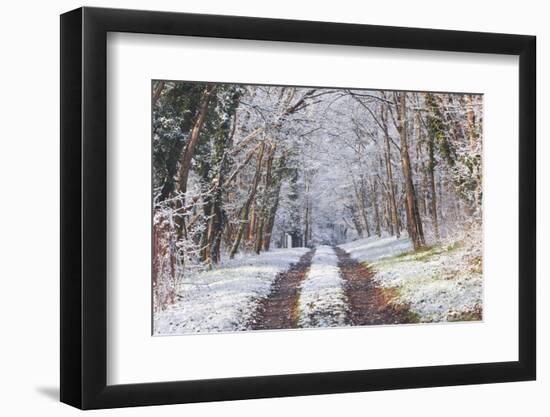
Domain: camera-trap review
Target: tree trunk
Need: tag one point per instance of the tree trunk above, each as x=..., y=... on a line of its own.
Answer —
x=359, y=195
x=376, y=210
x=306, y=221
x=434, y=130
x=266, y=200
x=471, y=117
x=356, y=222
x=251, y=228
x=164, y=261
x=246, y=208
x=389, y=173
x=472, y=137
x=204, y=250
x=270, y=223
x=259, y=236
x=274, y=196
x=310, y=228
x=187, y=155
x=387, y=216
x=271, y=217
x=414, y=226
x=185, y=161
x=431, y=183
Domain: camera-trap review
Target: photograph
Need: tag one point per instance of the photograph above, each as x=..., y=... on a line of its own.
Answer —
x=291, y=207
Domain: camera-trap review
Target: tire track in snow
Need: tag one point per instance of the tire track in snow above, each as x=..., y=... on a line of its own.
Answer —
x=278, y=309
x=369, y=304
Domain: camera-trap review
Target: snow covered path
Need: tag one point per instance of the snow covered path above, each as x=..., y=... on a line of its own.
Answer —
x=366, y=282
x=225, y=299
x=322, y=301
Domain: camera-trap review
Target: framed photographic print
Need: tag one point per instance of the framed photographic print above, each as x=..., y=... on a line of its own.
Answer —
x=255, y=208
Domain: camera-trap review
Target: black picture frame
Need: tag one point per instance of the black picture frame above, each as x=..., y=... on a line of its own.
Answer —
x=84, y=207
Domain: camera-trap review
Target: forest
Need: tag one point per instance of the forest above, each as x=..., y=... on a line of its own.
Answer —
x=281, y=179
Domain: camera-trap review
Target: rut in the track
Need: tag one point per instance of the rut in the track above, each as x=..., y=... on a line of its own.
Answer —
x=368, y=303
x=279, y=309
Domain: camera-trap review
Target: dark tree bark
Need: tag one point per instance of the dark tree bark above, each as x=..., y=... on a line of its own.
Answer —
x=274, y=196
x=270, y=221
x=434, y=129
x=414, y=225
x=245, y=210
x=266, y=199
x=187, y=155
x=222, y=143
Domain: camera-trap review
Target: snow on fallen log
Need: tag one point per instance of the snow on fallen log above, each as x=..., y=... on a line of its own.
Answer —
x=225, y=299
x=322, y=301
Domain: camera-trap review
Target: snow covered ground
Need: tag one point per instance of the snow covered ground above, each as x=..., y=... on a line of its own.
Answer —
x=374, y=248
x=224, y=299
x=322, y=301
x=440, y=284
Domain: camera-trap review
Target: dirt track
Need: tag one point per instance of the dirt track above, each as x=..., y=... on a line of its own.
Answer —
x=278, y=310
x=368, y=303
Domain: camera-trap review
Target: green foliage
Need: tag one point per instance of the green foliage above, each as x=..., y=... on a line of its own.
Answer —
x=438, y=130
x=216, y=132
x=425, y=254
x=465, y=166
x=173, y=117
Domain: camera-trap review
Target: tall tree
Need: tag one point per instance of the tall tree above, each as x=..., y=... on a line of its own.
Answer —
x=414, y=224
x=215, y=163
x=434, y=126
x=187, y=155
x=389, y=171
x=245, y=210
